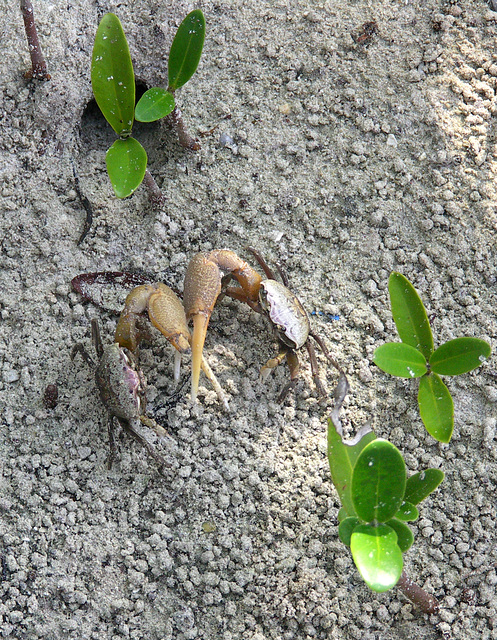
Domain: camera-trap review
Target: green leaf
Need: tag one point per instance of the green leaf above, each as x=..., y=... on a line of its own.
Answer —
x=377, y=556
x=407, y=512
x=342, y=458
x=342, y=514
x=186, y=49
x=421, y=484
x=346, y=528
x=459, y=356
x=405, y=536
x=409, y=315
x=156, y=103
x=400, y=359
x=436, y=407
x=112, y=76
x=378, y=482
x=126, y=165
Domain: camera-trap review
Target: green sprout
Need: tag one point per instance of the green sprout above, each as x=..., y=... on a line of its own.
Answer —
x=377, y=501
x=415, y=357
x=113, y=84
x=184, y=57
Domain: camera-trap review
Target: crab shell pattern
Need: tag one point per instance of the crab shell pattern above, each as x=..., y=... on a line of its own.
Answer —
x=121, y=383
x=286, y=312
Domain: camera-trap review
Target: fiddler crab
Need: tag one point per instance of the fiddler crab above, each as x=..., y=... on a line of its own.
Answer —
x=122, y=389
x=208, y=278
x=167, y=314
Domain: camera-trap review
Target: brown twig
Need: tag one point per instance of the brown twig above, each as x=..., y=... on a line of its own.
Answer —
x=418, y=596
x=86, y=206
x=38, y=65
x=185, y=139
x=155, y=195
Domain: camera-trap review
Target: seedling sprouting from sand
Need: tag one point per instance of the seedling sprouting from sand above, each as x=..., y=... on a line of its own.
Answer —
x=377, y=501
x=113, y=83
x=184, y=56
x=38, y=69
x=415, y=357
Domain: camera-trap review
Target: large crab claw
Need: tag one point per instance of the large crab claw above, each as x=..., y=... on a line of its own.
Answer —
x=205, y=278
x=167, y=314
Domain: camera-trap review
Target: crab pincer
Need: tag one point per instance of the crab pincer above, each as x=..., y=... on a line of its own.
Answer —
x=204, y=282
x=166, y=313
x=208, y=277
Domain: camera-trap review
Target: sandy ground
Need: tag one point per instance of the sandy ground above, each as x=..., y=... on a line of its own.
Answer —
x=349, y=158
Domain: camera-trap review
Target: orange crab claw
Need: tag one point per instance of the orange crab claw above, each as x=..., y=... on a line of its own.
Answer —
x=128, y=332
x=166, y=313
x=202, y=287
x=203, y=283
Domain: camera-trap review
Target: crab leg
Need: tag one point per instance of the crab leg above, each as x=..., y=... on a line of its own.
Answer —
x=203, y=284
x=143, y=441
x=293, y=365
x=272, y=363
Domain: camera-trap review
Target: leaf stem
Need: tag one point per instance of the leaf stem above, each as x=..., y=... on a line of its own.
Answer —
x=185, y=139
x=418, y=596
x=38, y=65
x=155, y=195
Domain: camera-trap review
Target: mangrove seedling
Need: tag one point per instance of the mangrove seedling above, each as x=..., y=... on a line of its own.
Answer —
x=38, y=69
x=415, y=357
x=113, y=83
x=378, y=500
x=184, y=56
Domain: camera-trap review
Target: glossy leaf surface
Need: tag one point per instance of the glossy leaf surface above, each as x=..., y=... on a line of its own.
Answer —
x=421, y=484
x=407, y=512
x=342, y=514
x=377, y=556
x=459, y=356
x=400, y=359
x=346, y=528
x=378, y=482
x=405, y=536
x=112, y=77
x=186, y=49
x=342, y=458
x=436, y=407
x=126, y=165
x=409, y=314
x=156, y=103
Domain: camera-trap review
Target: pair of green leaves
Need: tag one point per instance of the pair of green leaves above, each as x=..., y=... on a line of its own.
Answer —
x=415, y=357
x=113, y=84
x=377, y=500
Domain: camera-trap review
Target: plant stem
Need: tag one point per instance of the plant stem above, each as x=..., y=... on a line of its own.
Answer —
x=155, y=195
x=38, y=65
x=185, y=139
x=418, y=596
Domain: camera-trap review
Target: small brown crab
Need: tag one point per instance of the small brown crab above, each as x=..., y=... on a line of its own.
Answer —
x=208, y=277
x=167, y=314
x=122, y=389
